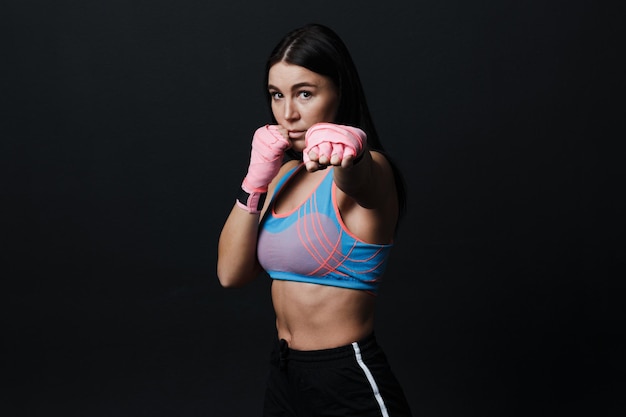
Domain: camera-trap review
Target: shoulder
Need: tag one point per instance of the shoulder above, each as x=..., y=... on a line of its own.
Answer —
x=382, y=163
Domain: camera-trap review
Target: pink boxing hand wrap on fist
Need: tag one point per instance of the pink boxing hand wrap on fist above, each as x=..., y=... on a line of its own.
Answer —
x=266, y=157
x=331, y=139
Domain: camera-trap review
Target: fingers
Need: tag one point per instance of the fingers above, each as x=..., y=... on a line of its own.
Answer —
x=329, y=153
x=313, y=166
x=281, y=136
x=347, y=161
x=329, y=144
x=314, y=160
x=282, y=131
x=326, y=154
x=337, y=154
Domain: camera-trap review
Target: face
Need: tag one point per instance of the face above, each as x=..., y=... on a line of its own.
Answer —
x=300, y=98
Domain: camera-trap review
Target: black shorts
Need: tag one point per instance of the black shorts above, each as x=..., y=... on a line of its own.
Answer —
x=352, y=380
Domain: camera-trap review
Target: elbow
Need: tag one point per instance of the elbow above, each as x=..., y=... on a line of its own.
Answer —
x=227, y=279
x=230, y=278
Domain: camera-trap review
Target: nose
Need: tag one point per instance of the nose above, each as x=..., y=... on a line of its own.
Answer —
x=290, y=111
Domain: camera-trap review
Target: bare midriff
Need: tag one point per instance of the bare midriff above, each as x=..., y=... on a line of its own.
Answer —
x=312, y=317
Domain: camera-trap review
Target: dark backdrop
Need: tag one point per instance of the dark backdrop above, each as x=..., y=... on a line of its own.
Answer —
x=125, y=133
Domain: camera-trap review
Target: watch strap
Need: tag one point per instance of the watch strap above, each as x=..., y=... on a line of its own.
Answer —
x=251, y=202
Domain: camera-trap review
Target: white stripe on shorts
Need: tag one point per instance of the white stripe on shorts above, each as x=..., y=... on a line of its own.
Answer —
x=370, y=378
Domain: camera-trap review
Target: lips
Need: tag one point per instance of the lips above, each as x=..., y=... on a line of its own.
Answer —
x=296, y=134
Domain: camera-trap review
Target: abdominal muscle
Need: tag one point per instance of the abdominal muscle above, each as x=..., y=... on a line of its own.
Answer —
x=312, y=317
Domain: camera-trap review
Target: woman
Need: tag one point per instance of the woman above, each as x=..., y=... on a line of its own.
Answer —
x=318, y=211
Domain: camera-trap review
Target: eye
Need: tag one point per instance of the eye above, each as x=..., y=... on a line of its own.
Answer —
x=306, y=94
x=275, y=95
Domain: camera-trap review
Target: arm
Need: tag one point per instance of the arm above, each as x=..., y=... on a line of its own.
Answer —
x=365, y=176
x=367, y=195
x=237, y=262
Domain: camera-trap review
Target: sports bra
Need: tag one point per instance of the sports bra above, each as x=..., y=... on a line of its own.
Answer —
x=312, y=244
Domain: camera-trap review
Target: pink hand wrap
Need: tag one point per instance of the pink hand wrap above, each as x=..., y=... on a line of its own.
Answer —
x=266, y=157
x=331, y=139
x=268, y=147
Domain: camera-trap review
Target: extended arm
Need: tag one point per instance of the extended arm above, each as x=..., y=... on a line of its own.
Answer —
x=364, y=176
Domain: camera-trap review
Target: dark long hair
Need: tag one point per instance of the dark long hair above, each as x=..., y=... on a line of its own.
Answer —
x=319, y=49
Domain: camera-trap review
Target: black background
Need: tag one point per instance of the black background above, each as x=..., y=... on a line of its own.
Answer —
x=125, y=132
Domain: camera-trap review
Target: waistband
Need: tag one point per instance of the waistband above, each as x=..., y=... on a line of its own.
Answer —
x=324, y=355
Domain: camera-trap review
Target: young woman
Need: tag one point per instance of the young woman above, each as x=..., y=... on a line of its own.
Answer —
x=318, y=212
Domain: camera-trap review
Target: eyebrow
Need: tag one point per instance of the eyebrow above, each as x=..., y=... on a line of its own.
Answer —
x=295, y=86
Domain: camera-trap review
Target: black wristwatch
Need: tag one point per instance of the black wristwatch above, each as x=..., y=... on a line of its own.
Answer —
x=253, y=202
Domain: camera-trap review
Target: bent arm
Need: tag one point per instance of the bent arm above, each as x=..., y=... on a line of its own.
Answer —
x=237, y=262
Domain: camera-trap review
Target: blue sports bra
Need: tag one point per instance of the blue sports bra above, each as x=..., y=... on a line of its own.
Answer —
x=312, y=244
